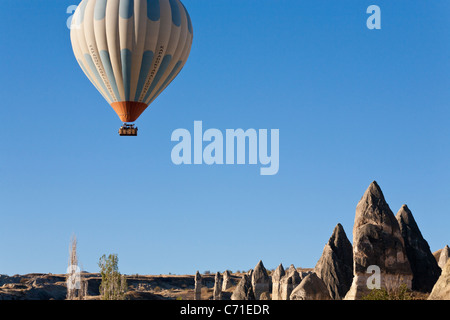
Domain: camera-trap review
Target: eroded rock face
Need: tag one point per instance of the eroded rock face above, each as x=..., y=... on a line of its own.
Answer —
x=140, y=287
x=335, y=266
x=311, y=288
x=244, y=289
x=377, y=241
x=261, y=281
x=227, y=282
x=198, y=286
x=277, y=275
x=217, y=291
x=288, y=283
x=442, y=256
x=424, y=266
x=441, y=290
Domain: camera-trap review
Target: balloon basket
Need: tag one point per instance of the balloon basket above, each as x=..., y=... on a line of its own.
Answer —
x=128, y=130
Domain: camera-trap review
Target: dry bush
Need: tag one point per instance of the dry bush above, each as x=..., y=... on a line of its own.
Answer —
x=400, y=293
x=76, y=284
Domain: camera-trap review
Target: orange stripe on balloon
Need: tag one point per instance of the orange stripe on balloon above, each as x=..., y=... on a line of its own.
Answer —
x=129, y=111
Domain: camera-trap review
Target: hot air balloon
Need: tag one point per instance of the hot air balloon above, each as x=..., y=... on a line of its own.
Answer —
x=131, y=50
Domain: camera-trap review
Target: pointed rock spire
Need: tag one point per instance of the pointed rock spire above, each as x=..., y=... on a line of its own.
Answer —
x=335, y=266
x=227, y=283
x=373, y=209
x=288, y=283
x=424, y=266
x=276, y=279
x=260, y=280
x=217, y=291
x=442, y=256
x=278, y=273
x=244, y=289
x=198, y=286
x=377, y=240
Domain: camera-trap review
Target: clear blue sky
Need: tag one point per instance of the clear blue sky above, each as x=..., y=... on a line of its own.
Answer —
x=352, y=105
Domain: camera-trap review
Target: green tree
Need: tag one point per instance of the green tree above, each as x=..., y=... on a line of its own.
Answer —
x=114, y=285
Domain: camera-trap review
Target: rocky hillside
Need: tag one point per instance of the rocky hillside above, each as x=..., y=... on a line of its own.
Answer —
x=53, y=287
x=388, y=252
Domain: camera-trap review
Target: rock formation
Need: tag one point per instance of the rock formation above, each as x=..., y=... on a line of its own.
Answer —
x=424, y=266
x=288, y=283
x=264, y=296
x=261, y=281
x=377, y=241
x=303, y=273
x=54, y=287
x=441, y=290
x=277, y=275
x=198, y=286
x=335, y=266
x=311, y=288
x=227, y=283
x=217, y=291
x=244, y=289
x=442, y=256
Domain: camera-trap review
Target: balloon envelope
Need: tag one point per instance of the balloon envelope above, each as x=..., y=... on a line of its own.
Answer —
x=131, y=50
